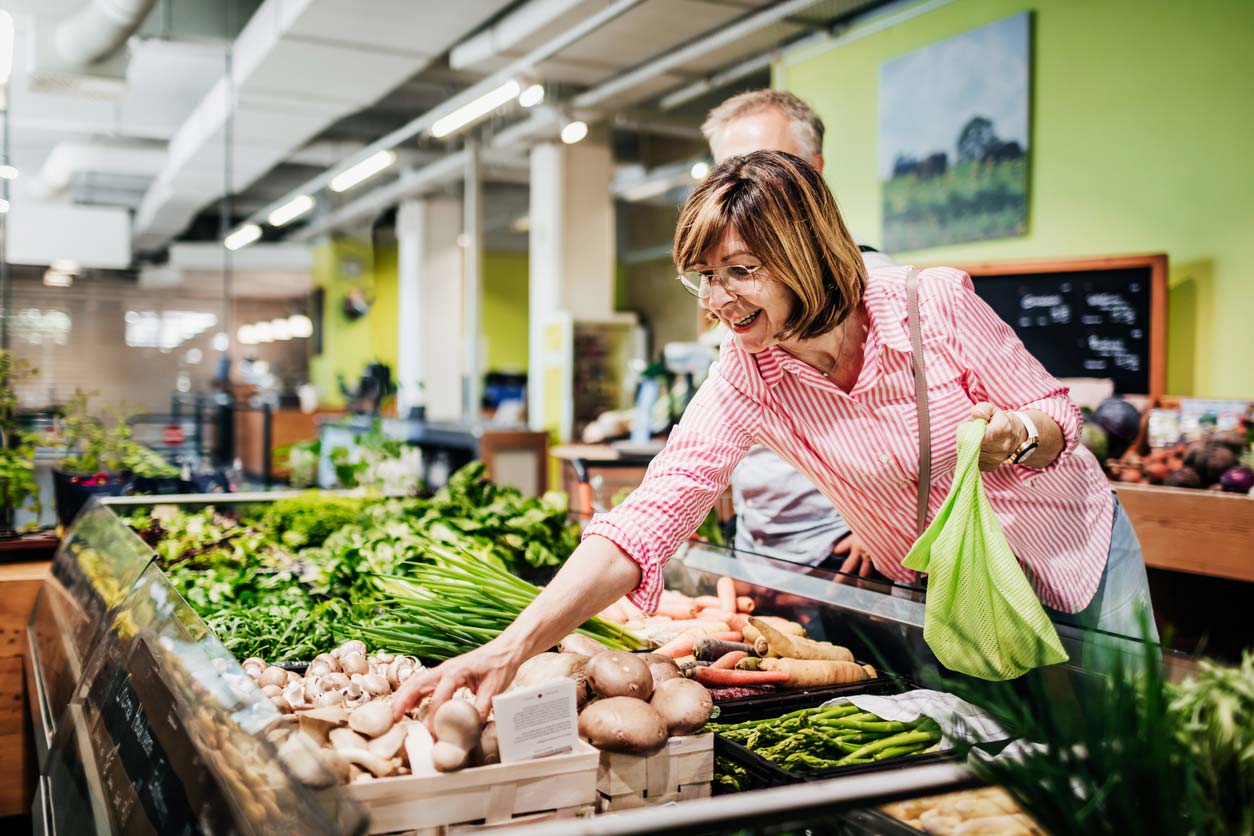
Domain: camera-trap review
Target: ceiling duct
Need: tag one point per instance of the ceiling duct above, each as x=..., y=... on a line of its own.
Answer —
x=73, y=157
x=99, y=29
x=509, y=31
x=299, y=67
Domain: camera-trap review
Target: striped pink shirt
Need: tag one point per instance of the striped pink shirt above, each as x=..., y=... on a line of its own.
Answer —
x=861, y=448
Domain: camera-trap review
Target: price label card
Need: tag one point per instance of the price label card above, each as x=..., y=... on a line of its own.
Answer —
x=538, y=721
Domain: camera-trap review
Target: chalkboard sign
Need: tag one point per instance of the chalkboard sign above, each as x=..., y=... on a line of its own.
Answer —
x=1100, y=317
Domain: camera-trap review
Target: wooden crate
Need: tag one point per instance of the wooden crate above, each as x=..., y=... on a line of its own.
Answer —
x=683, y=770
x=1203, y=532
x=504, y=793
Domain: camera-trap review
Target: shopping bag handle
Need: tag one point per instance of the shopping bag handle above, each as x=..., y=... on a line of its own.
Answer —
x=920, y=395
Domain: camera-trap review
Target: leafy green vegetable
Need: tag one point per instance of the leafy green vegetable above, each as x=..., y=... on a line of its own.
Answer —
x=309, y=519
x=1217, y=712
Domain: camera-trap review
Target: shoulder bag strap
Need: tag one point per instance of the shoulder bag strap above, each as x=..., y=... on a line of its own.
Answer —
x=920, y=394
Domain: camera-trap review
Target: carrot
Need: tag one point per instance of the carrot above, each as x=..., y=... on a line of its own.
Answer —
x=710, y=649
x=815, y=673
x=745, y=604
x=708, y=602
x=774, y=643
x=678, y=646
x=710, y=614
x=728, y=660
x=729, y=636
x=739, y=621
x=677, y=597
x=674, y=609
x=717, y=677
x=726, y=593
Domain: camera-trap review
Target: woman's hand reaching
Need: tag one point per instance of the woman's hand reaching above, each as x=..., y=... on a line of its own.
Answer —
x=486, y=671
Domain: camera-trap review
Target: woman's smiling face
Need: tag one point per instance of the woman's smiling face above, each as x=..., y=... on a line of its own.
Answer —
x=758, y=312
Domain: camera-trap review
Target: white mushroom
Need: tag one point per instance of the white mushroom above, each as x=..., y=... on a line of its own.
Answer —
x=371, y=719
x=312, y=688
x=272, y=691
x=273, y=675
x=388, y=744
x=373, y=684
x=282, y=704
x=335, y=681
x=352, y=663
x=302, y=757
x=379, y=767
x=383, y=658
x=317, y=669
x=327, y=659
x=347, y=739
x=330, y=699
x=348, y=647
x=293, y=677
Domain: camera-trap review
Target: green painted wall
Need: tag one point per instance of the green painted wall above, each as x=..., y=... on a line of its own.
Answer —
x=504, y=317
x=1141, y=120
x=349, y=345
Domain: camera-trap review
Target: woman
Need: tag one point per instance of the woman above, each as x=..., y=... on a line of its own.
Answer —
x=818, y=369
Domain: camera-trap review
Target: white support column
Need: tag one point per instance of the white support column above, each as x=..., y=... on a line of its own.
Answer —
x=572, y=265
x=430, y=301
x=472, y=282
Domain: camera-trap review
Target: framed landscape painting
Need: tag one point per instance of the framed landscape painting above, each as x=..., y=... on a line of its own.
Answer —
x=953, y=138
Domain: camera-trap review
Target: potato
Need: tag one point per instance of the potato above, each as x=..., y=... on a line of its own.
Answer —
x=661, y=667
x=623, y=724
x=685, y=705
x=618, y=674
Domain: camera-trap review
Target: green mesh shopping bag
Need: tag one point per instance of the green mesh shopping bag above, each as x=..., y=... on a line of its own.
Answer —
x=982, y=617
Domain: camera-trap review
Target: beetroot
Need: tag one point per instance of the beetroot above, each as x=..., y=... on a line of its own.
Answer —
x=1210, y=460
x=1239, y=479
x=1185, y=477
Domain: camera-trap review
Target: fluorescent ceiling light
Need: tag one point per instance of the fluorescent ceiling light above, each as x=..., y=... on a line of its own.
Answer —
x=574, y=131
x=300, y=325
x=221, y=342
x=246, y=335
x=291, y=210
x=4, y=206
x=264, y=332
x=242, y=237
x=55, y=278
x=280, y=328
x=700, y=170
x=363, y=170
x=532, y=96
x=66, y=265
x=480, y=107
x=6, y=46
x=8, y=172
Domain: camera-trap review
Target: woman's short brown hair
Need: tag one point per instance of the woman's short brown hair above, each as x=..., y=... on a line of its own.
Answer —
x=786, y=215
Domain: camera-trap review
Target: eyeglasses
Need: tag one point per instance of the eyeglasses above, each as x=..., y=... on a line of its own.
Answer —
x=736, y=279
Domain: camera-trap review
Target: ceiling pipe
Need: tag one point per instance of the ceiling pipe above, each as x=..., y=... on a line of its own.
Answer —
x=421, y=123
x=99, y=29
x=842, y=32
x=519, y=24
x=698, y=47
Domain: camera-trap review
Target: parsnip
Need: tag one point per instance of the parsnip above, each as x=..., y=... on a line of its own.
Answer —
x=775, y=643
x=815, y=673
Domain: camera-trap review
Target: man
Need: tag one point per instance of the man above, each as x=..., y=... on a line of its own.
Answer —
x=778, y=511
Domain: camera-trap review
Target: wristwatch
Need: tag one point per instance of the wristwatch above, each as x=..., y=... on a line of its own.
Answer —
x=1027, y=448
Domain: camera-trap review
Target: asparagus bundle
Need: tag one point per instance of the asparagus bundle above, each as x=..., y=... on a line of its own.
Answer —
x=817, y=739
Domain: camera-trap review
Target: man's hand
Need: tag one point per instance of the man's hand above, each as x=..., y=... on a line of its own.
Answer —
x=857, y=563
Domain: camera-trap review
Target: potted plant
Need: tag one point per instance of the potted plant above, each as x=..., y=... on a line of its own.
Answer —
x=17, y=449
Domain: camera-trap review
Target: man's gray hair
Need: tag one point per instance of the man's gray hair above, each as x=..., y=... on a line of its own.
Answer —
x=806, y=125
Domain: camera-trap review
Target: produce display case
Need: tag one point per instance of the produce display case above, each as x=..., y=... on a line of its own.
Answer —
x=144, y=722
x=148, y=724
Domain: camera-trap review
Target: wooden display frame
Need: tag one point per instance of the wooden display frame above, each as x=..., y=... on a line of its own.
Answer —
x=1157, y=264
